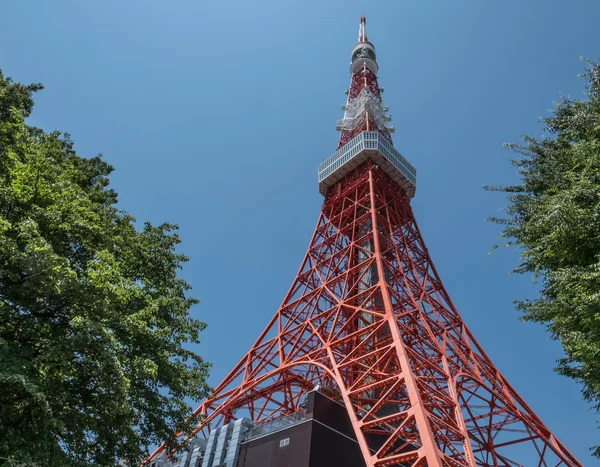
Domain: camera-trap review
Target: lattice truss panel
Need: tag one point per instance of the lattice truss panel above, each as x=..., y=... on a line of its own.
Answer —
x=368, y=316
x=364, y=109
x=357, y=109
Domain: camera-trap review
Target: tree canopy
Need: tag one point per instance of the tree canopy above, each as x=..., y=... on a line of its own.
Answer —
x=553, y=217
x=93, y=316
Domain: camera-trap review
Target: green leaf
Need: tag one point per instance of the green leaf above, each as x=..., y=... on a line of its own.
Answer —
x=94, y=319
x=553, y=217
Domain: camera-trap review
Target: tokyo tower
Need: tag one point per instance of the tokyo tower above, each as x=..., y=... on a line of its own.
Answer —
x=368, y=331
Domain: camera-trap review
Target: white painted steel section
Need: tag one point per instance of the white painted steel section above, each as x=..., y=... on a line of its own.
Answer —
x=368, y=145
x=356, y=109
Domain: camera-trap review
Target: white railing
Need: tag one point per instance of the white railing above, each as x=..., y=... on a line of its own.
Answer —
x=367, y=141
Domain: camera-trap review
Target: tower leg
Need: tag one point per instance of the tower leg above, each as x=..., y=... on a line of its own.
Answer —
x=368, y=319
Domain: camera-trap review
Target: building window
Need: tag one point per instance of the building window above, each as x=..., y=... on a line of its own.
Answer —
x=284, y=442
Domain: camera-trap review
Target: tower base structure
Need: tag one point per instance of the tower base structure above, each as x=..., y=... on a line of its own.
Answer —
x=320, y=434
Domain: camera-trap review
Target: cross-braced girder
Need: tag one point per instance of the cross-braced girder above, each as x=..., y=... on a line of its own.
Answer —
x=368, y=320
x=368, y=317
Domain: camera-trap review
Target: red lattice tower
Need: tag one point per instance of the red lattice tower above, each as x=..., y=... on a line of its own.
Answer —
x=368, y=319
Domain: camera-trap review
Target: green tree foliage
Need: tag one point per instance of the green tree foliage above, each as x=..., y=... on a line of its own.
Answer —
x=554, y=218
x=93, y=317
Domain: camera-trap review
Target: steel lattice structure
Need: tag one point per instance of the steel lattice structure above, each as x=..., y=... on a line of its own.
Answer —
x=367, y=317
x=364, y=109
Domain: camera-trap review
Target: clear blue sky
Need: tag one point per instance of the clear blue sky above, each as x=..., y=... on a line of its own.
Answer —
x=217, y=113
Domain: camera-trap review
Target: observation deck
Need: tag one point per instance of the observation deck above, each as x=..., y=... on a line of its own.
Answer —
x=368, y=145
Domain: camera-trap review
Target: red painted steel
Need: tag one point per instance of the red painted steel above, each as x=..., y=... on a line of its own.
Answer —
x=366, y=78
x=368, y=319
x=363, y=78
x=368, y=316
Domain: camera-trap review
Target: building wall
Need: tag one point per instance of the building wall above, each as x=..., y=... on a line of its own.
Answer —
x=328, y=448
x=325, y=439
x=267, y=452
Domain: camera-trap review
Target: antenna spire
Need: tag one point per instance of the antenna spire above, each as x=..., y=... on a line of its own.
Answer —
x=362, y=30
x=364, y=109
